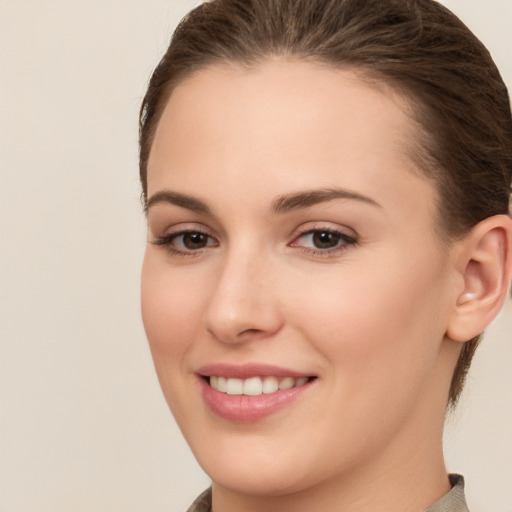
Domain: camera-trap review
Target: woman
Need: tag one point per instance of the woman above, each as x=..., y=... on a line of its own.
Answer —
x=327, y=191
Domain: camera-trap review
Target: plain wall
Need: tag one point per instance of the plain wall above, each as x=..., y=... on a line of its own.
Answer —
x=83, y=425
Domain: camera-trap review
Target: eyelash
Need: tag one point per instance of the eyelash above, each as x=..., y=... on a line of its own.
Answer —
x=167, y=242
x=342, y=243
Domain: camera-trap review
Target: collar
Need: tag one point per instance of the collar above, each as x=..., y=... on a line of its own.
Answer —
x=453, y=501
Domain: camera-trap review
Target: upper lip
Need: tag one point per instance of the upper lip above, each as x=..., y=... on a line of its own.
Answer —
x=247, y=370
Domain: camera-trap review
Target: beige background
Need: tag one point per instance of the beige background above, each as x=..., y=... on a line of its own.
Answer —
x=83, y=426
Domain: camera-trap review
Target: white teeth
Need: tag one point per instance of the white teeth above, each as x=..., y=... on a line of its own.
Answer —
x=221, y=384
x=234, y=386
x=270, y=385
x=286, y=383
x=254, y=386
x=301, y=381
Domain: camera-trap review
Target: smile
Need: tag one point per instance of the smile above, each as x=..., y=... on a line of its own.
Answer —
x=255, y=386
x=251, y=392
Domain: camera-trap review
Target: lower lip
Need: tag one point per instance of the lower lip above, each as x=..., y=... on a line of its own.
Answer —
x=245, y=408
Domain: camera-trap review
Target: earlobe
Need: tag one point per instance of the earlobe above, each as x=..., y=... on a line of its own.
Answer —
x=486, y=269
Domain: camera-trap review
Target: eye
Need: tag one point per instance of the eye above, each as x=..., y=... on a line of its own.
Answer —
x=323, y=240
x=191, y=240
x=186, y=242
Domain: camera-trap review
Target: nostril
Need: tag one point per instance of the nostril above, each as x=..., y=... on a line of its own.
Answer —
x=249, y=331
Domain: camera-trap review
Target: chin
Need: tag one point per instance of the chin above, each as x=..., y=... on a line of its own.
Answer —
x=253, y=479
x=278, y=466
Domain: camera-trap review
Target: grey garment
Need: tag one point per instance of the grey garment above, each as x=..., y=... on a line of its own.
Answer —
x=453, y=501
x=203, y=503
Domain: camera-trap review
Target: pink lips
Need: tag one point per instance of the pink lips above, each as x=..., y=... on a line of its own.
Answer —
x=245, y=371
x=243, y=408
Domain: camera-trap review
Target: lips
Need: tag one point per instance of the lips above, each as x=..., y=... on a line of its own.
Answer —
x=249, y=393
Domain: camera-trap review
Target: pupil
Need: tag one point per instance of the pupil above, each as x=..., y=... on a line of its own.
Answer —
x=194, y=240
x=325, y=239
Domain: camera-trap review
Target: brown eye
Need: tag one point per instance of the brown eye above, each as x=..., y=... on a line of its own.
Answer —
x=186, y=242
x=323, y=242
x=325, y=239
x=194, y=240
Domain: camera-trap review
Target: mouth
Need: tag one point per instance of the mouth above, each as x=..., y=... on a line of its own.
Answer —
x=250, y=393
x=255, y=386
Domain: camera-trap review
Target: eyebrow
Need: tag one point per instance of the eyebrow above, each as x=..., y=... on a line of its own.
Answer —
x=309, y=198
x=282, y=204
x=182, y=200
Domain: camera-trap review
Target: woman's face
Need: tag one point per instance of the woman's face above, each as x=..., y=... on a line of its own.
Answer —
x=292, y=242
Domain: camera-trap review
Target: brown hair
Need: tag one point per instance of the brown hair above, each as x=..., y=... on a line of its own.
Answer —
x=418, y=47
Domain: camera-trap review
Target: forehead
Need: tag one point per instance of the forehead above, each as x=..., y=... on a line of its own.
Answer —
x=292, y=90
x=283, y=121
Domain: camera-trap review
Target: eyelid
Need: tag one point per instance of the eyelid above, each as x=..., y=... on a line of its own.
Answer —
x=166, y=239
x=310, y=227
x=345, y=240
x=181, y=227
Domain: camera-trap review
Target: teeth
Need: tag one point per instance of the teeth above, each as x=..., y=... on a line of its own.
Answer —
x=286, y=383
x=254, y=386
x=234, y=386
x=270, y=385
x=221, y=384
x=301, y=381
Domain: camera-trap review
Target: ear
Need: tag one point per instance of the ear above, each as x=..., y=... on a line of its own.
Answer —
x=485, y=265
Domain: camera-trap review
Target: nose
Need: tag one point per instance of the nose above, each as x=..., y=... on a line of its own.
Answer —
x=243, y=305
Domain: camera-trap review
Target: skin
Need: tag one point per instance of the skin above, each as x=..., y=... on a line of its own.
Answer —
x=369, y=319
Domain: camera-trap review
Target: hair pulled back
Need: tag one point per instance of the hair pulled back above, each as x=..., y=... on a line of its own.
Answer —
x=418, y=47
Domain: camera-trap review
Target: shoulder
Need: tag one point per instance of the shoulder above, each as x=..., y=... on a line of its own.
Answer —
x=203, y=503
x=454, y=500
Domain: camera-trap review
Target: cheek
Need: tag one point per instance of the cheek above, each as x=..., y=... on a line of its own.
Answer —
x=171, y=306
x=378, y=324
